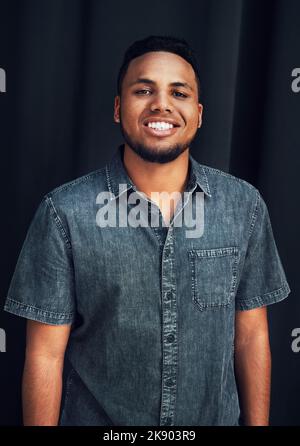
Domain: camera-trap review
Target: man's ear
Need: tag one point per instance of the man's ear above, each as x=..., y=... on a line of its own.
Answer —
x=117, y=109
x=200, y=110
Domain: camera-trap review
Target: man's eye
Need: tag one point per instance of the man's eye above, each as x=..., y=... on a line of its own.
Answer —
x=142, y=91
x=181, y=95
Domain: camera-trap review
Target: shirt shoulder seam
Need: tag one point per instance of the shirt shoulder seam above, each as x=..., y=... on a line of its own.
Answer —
x=254, y=213
x=57, y=221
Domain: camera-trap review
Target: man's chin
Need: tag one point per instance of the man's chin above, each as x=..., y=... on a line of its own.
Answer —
x=160, y=154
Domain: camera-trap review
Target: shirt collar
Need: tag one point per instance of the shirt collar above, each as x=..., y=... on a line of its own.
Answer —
x=116, y=174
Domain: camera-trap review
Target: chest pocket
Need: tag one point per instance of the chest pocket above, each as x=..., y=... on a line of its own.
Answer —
x=214, y=273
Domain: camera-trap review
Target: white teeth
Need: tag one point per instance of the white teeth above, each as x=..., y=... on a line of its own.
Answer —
x=160, y=125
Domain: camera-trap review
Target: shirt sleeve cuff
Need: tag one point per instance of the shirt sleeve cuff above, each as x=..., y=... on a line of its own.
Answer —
x=264, y=299
x=37, y=314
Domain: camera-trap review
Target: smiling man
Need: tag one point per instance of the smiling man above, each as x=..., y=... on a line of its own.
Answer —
x=150, y=327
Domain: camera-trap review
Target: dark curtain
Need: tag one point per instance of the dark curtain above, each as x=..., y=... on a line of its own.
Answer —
x=61, y=59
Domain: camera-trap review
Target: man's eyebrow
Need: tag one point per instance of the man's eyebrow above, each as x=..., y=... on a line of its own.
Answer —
x=144, y=80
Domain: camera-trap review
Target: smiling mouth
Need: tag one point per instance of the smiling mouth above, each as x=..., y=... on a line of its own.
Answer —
x=161, y=131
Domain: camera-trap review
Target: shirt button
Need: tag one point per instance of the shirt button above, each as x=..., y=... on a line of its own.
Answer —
x=169, y=382
x=170, y=338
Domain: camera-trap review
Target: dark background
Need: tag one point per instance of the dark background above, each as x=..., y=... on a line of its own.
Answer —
x=61, y=59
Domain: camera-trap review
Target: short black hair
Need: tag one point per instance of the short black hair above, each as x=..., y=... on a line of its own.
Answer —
x=158, y=43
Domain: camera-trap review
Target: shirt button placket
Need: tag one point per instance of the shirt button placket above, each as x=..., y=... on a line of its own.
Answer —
x=169, y=333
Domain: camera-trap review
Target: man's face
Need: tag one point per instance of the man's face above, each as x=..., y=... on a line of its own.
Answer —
x=158, y=87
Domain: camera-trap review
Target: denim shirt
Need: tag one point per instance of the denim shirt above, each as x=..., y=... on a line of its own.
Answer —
x=152, y=310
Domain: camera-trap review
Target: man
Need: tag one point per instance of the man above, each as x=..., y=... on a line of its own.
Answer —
x=150, y=326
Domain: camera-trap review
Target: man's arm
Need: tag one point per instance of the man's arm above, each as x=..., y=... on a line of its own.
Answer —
x=253, y=365
x=42, y=376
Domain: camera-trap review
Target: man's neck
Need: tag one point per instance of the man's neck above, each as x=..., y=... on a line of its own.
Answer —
x=155, y=177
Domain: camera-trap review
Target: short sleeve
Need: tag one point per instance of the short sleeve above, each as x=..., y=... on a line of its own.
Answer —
x=262, y=281
x=42, y=286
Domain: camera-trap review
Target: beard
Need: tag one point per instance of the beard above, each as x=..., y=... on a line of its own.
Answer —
x=156, y=154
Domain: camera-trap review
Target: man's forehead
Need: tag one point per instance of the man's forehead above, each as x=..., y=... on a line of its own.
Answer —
x=153, y=66
x=158, y=58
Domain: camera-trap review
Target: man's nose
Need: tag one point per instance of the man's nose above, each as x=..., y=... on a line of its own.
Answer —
x=161, y=102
